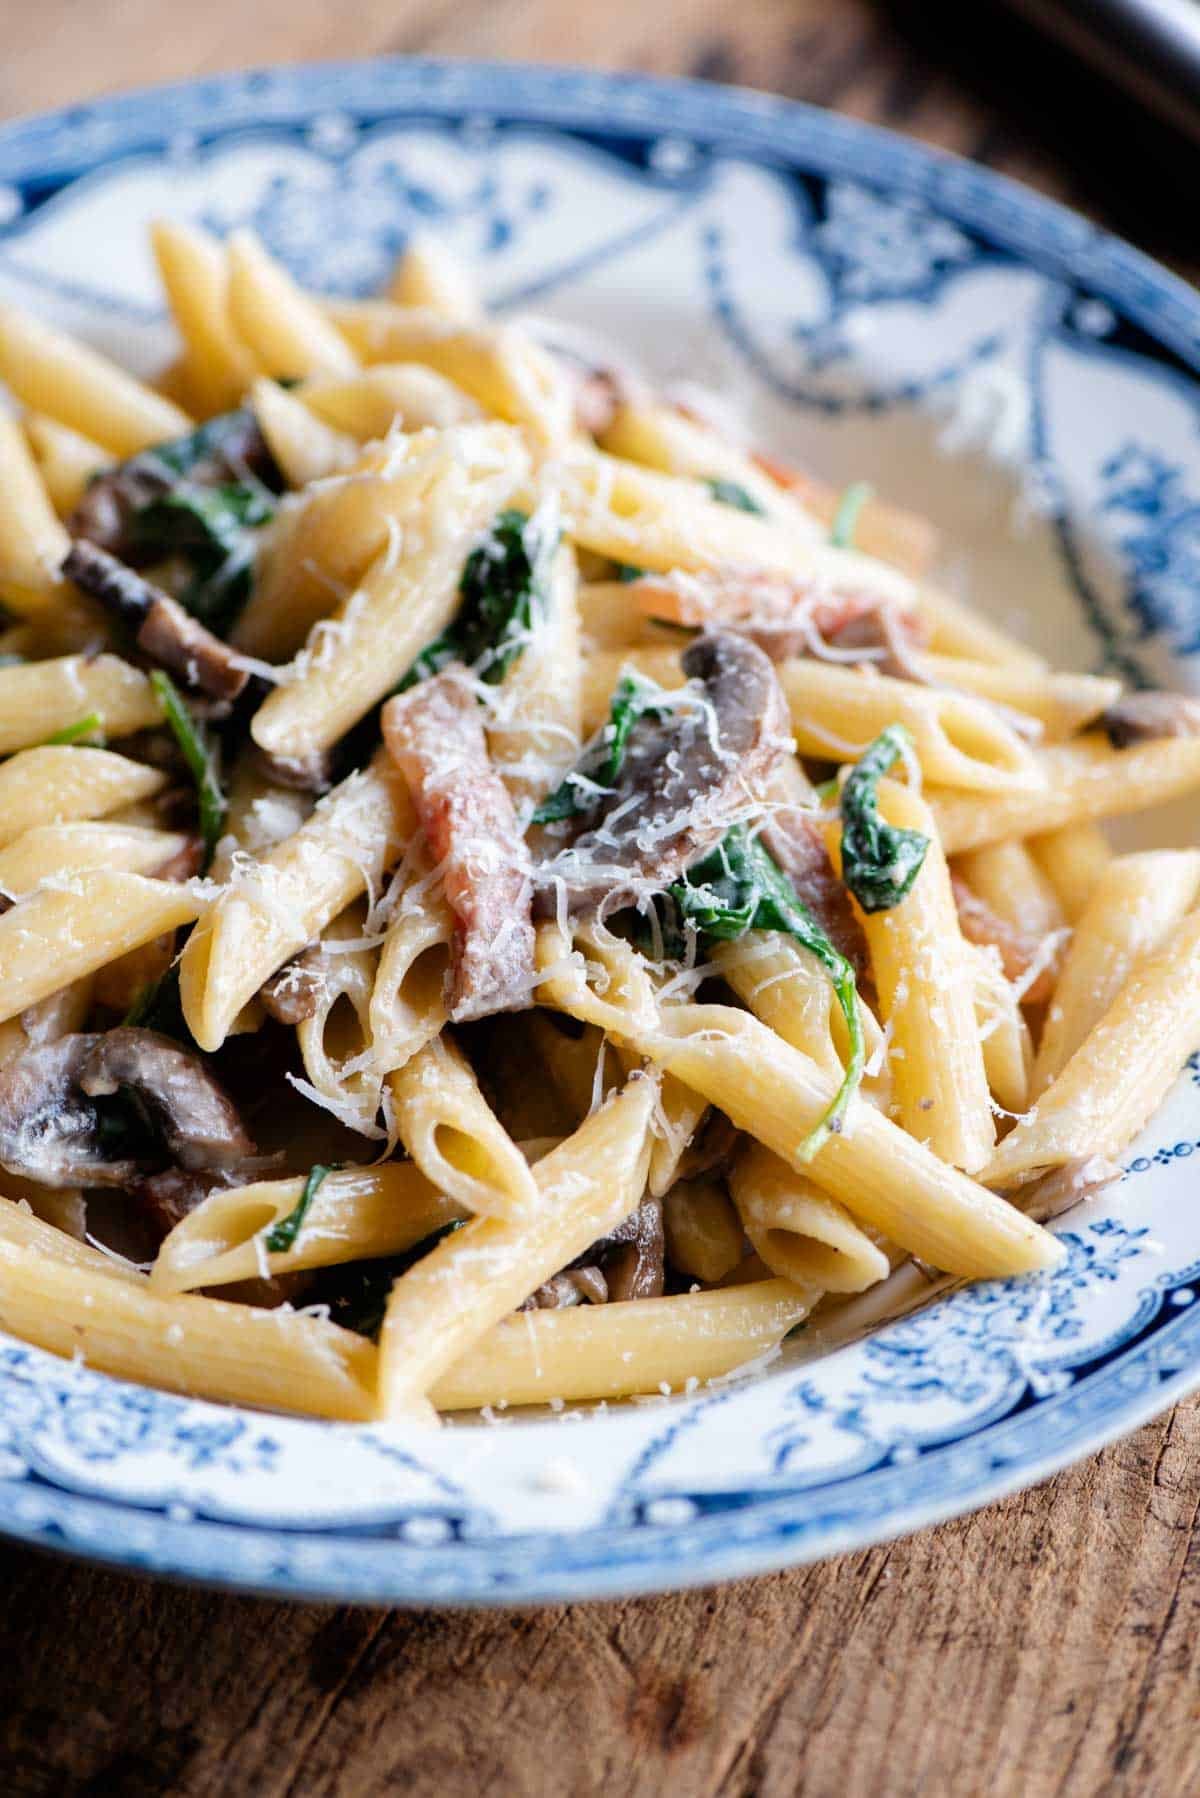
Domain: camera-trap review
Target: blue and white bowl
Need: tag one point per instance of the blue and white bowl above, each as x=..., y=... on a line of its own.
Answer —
x=873, y=309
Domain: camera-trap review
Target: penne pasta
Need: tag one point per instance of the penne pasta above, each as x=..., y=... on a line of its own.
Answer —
x=50, y=850
x=40, y=699
x=82, y=921
x=800, y=1232
x=1081, y=781
x=1139, y=901
x=219, y=366
x=391, y=396
x=304, y=446
x=427, y=275
x=355, y=1214
x=67, y=462
x=54, y=374
x=455, y=1137
x=610, y=1351
x=1072, y=858
x=285, y=331
x=63, y=785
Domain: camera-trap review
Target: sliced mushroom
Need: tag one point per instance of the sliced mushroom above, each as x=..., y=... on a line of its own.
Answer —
x=311, y=773
x=687, y=773
x=48, y=1131
x=198, y=1121
x=1143, y=717
x=294, y=993
x=577, y=1286
x=636, y=1269
x=166, y=633
x=237, y=451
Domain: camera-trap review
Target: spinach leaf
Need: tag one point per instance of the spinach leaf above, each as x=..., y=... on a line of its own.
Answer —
x=159, y=1006
x=89, y=726
x=627, y=572
x=738, y=887
x=357, y=1293
x=504, y=587
x=283, y=1235
x=223, y=444
x=879, y=861
x=199, y=756
x=212, y=529
x=731, y=493
x=845, y=519
x=601, y=761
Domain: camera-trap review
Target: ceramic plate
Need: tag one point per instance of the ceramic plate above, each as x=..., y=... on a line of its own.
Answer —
x=871, y=309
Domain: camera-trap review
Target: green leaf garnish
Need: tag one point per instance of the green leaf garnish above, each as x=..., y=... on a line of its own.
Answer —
x=213, y=530
x=199, y=756
x=89, y=726
x=504, y=589
x=283, y=1234
x=845, y=519
x=738, y=887
x=731, y=493
x=626, y=572
x=601, y=761
x=879, y=861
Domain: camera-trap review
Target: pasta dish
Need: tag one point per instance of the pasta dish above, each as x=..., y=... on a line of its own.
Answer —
x=511, y=896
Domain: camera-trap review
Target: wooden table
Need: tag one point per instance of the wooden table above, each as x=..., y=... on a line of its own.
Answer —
x=1049, y=1644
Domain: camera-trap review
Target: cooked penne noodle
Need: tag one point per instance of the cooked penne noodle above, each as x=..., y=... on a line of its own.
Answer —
x=1003, y=1031
x=50, y=850
x=194, y=272
x=509, y=375
x=1081, y=781
x=427, y=275
x=534, y=733
x=1120, y=1073
x=62, y=931
x=32, y=541
x=1061, y=703
x=1072, y=858
x=783, y=984
x=464, y=1286
x=356, y=1214
x=702, y=1229
x=610, y=1351
x=455, y=1137
x=52, y=373
x=335, y=1038
x=1008, y=880
x=67, y=462
x=277, y=904
x=404, y=601
x=388, y=397
x=801, y=1233
x=664, y=522
x=660, y=436
x=62, y=785
x=927, y=1002
x=955, y=629
x=305, y=448
x=78, y=1304
x=285, y=331
x=1139, y=901
x=57, y=1015
x=45, y=697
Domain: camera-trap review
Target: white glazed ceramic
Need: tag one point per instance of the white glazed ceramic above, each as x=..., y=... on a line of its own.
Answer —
x=874, y=310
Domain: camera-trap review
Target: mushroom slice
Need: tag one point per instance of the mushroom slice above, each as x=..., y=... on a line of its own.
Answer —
x=166, y=633
x=308, y=773
x=1143, y=717
x=636, y=1269
x=577, y=1286
x=48, y=1131
x=691, y=767
x=197, y=1119
x=234, y=449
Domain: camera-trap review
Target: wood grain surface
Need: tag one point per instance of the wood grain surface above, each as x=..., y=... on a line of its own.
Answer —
x=1047, y=1645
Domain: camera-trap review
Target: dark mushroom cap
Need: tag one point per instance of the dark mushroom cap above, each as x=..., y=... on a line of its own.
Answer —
x=198, y=1120
x=51, y=1132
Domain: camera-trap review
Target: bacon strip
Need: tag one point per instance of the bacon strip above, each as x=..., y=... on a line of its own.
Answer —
x=1018, y=950
x=784, y=617
x=435, y=736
